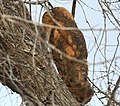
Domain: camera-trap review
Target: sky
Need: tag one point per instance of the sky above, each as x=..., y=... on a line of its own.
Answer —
x=92, y=15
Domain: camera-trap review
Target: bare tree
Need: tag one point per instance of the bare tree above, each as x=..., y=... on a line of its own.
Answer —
x=26, y=62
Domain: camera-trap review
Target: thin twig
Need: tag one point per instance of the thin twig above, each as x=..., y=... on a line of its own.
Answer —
x=73, y=8
x=113, y=92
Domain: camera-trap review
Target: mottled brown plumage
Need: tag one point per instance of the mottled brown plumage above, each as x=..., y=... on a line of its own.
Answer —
x=72, y=43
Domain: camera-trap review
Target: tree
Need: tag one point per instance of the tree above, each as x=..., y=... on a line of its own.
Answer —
x=26, y=64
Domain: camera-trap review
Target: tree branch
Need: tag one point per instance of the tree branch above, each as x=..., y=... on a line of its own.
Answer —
x=21, y=43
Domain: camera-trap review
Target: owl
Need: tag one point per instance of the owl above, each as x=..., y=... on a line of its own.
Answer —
x=67, y=38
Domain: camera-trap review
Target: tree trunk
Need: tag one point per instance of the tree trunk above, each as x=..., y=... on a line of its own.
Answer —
x=25, y=60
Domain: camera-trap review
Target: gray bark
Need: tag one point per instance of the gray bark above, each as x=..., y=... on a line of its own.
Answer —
x=25, y=62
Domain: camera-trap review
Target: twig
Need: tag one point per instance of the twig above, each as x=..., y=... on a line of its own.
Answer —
x=30, y=9
x=73, y=8
x=113, y=92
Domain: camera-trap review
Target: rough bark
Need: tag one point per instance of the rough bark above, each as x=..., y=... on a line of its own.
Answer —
x=25, y=61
